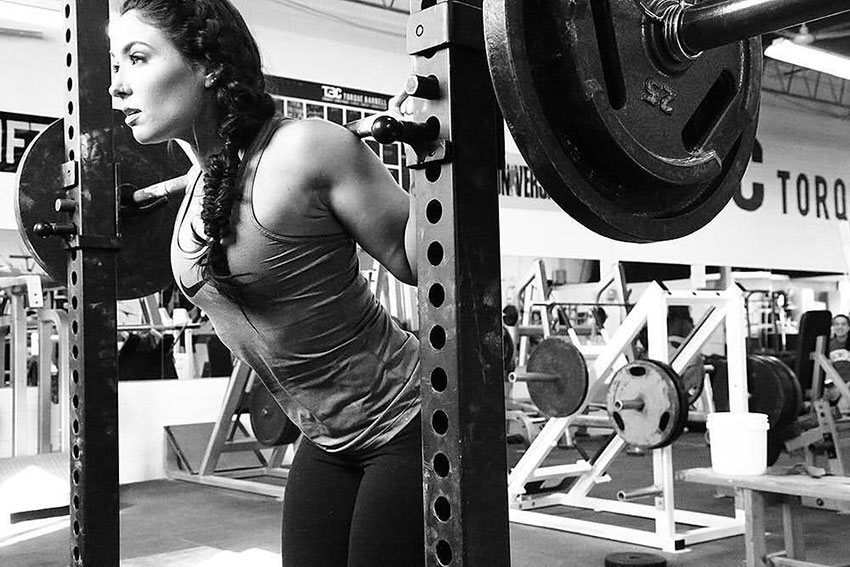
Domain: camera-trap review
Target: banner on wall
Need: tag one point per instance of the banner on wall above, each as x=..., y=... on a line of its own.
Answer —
x=18, y=131
x=786, y=214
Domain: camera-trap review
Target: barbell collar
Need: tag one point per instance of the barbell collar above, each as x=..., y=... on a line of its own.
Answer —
x=713, y=23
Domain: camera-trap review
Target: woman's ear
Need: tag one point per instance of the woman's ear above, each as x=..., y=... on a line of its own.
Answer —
x=211, y=77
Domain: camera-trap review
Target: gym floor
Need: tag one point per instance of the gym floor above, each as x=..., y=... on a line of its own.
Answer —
x=177, y=524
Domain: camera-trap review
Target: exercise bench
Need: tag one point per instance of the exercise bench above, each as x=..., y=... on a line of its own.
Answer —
x=789, y=490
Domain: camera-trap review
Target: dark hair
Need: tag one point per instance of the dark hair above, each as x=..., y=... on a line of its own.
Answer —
x=510, y=315
x=213, y=34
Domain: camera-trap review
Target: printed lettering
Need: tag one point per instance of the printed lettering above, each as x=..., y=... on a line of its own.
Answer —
x=803, y=194
x=820, y=196
x=754, y=201
x=784, y=176
x=840, y=200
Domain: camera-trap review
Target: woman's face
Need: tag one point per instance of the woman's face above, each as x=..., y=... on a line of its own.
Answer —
x=161, y=94
x=840, y=327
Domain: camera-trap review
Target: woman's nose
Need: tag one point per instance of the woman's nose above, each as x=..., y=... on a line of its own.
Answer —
x=117, y=88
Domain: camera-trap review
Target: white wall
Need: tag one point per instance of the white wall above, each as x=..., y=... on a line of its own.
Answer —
x=144, y=408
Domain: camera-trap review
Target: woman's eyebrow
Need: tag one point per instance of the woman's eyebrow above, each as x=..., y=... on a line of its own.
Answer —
x=131, y=45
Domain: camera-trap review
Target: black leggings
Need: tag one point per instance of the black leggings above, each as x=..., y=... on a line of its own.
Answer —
x=356, y=510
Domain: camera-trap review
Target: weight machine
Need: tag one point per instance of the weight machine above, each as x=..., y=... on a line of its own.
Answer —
x=724, y=308
x=232, y=456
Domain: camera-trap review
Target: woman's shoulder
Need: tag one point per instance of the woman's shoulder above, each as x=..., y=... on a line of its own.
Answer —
x=309, y=134
x=308, y=149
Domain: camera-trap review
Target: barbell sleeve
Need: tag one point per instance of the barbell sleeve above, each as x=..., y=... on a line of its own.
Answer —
x=517, y=376
x=645, y=492
x=713, y=23
x=634, y=404
x=167, y=188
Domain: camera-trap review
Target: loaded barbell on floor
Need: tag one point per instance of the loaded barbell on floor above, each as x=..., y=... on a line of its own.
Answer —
x=647, y=404
x=557, y=377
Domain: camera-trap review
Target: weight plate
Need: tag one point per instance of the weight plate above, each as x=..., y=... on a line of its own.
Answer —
x=792, y=393
x=564, y=396
x=766, y=389
x=693, y=375
x=144, y=265
x=773, y=389
x=269, y=423
x=631, y=148
x=813, y=324
x=655, y=405
x=634, y=559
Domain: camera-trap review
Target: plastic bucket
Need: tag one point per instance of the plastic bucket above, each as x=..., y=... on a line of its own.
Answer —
x=738, y=442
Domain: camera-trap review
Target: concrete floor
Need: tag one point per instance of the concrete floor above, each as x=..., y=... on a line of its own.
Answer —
x=176, y=524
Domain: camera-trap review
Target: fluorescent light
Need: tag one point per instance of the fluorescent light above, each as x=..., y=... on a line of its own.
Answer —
x=810, y=57
x=28, y=20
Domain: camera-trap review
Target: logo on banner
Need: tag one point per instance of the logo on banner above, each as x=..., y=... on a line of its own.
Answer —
x=803, y=194
x=17, y=131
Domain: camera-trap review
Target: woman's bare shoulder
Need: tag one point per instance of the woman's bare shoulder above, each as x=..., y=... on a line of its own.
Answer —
x=296, y=169
x=311, y=152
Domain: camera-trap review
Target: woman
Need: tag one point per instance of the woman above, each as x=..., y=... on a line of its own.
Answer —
x=265, y=244
x=839, y=354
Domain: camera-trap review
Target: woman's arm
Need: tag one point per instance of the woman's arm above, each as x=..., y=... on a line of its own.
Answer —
x=316, y=156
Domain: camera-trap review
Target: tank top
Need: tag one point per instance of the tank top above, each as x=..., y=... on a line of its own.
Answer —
x=307, y=322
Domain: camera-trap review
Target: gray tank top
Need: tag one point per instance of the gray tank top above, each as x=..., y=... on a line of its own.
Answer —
x=307, y=323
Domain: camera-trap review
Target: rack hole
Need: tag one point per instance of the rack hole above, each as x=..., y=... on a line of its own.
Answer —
x=440, y=422
x=436, y=295
x=439, y=379
x=441, y=465
x=434, y=211
x=437, y=337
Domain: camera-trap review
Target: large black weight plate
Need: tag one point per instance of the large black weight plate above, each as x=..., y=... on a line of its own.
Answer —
x=773, y=390
x=270, y=425
x=634, y=559
x=144, y=265
x=564, y=396
x=813, y=324
x=664, y=412
x=631, y=150
x=792, y=392
x=768, y=391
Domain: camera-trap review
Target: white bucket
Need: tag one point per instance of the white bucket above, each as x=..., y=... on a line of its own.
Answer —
x=738, y=442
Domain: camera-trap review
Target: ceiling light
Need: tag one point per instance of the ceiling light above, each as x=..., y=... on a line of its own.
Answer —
x=28, y=20
x=810, y=57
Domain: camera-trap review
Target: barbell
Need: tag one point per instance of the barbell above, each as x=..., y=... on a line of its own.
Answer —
x=638, y=117
x=146, y=176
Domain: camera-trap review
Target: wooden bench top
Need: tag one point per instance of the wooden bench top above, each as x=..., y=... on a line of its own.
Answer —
x=832, y=487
